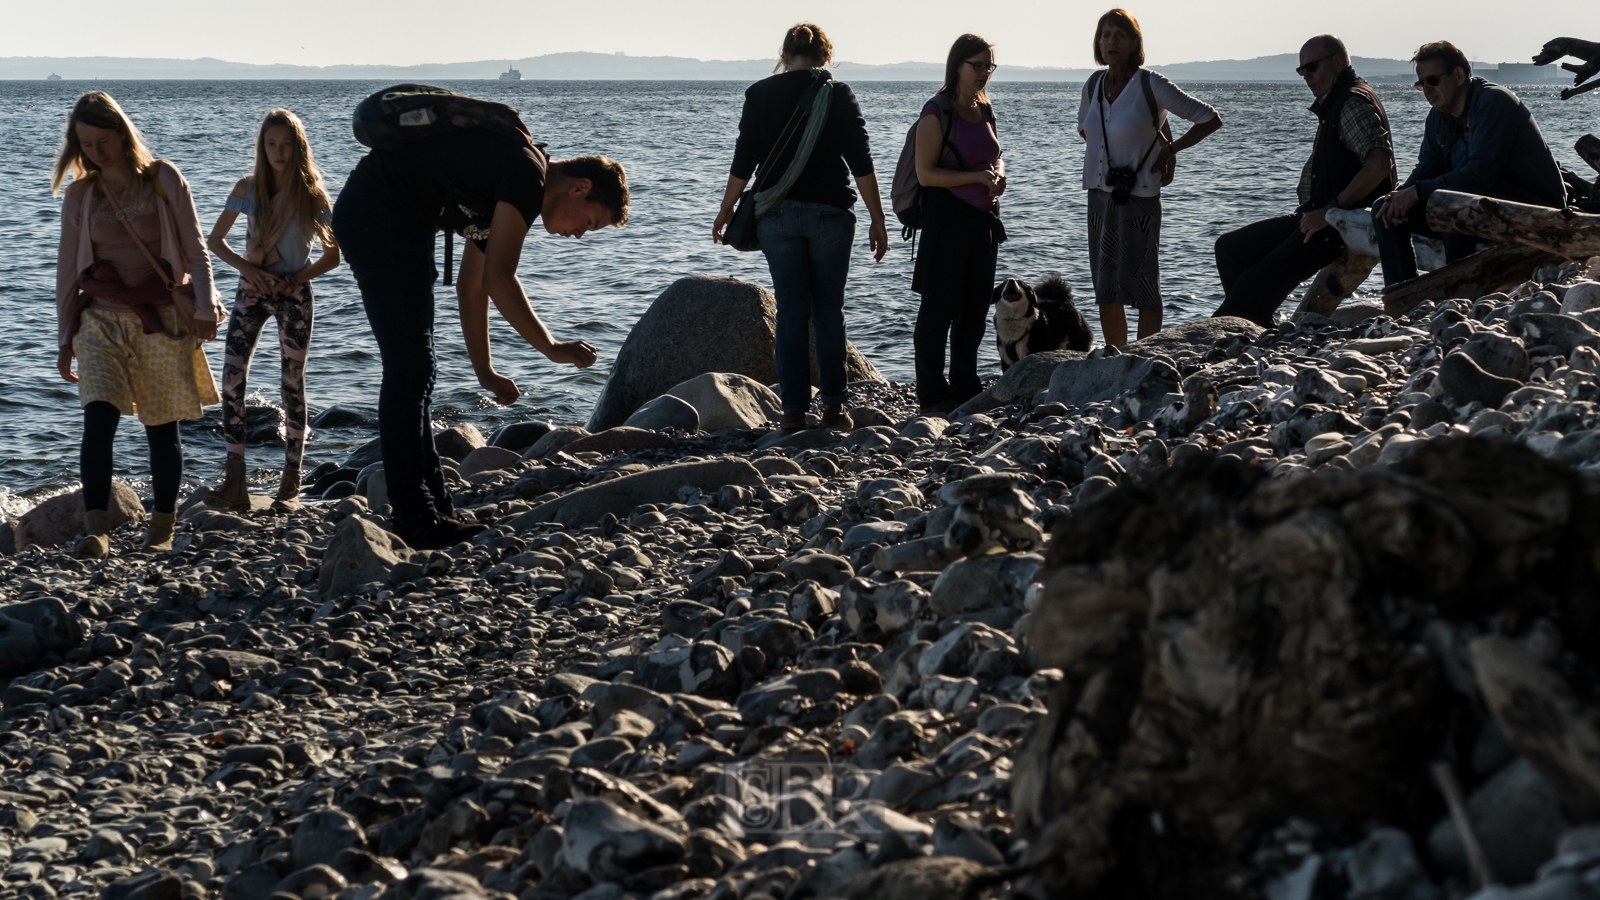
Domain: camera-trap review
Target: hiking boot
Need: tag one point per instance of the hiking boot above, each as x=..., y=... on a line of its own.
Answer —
x=96, y=541
x=288, y=499
x=837, y=419
x=793, y=420
x=158, y=534
x=439, y=533
x=234, y=493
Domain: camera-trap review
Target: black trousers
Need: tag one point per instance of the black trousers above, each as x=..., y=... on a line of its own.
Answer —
x=94, y=458
x=1400, y=257
x=391, y=258
x=954, y=274
x=1262, y=263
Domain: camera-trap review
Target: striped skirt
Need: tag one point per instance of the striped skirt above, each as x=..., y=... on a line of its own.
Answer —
x=1125, y=250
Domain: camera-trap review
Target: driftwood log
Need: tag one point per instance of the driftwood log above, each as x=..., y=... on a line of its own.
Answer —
x=1588, y=51
x=1563, y=232
x=1336, y=282
x=1495, y=269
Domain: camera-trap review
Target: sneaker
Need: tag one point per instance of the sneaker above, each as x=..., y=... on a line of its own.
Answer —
x=938, y=410
x=439, y=533
x=793, y=421
x=838, y=420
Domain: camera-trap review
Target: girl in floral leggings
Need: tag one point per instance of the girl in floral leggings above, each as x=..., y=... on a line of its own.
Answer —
x=287, y=207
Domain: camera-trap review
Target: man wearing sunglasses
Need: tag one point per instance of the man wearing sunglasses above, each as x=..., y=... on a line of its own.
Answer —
x=1351, y=165
x=1479, y=139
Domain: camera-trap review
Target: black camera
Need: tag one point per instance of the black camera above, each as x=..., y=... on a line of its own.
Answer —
x=1121, y=180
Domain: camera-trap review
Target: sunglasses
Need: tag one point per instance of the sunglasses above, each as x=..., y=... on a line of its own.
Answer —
x=1310, y=68
x=981, y=67
x=1430, y=81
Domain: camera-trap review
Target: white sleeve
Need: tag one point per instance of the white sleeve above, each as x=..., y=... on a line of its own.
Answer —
x=1171, y=98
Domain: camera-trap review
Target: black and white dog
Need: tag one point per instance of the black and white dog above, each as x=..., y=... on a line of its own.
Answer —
x=1036, y=319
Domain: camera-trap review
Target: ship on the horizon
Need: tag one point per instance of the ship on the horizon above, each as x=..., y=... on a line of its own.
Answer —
x=53, y=77
x=510, y=74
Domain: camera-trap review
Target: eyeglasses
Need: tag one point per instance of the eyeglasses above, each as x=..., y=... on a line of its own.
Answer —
x=985, y=68
x=1310, y=68
x=1430, y=81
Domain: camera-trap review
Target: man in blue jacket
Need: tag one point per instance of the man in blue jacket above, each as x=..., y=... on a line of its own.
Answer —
x=1479, y=139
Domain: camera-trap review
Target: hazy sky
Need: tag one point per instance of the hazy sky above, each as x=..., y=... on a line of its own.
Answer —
x=1052, y=33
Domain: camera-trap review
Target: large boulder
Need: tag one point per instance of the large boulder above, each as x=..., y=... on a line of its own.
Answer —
x=59, y=519
x=31, y=631
x=698, y=325
x=726, y=400
x=1138, y=383
x=1186, y=345
x=586, y=505
x=360, y=552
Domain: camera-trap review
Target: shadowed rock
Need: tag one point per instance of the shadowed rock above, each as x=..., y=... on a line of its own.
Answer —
x=1238, y=650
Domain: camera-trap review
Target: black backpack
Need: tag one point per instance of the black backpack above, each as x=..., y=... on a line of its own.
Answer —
x=405, y=113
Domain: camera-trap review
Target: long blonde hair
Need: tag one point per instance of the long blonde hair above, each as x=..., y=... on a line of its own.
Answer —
x=302, y=180
x=97, y=108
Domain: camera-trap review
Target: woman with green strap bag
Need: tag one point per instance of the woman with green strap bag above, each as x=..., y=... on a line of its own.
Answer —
x=806, y=132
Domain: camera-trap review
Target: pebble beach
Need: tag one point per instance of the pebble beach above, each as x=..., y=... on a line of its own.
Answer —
x=923, y=656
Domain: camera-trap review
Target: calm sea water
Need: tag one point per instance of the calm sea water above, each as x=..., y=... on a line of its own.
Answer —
x=676, y=140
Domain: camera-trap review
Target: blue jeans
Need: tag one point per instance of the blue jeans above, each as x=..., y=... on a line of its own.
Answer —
x=391, y=258
x=808, y=252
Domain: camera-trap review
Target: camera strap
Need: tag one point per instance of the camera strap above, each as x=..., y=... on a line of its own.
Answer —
x=1105, y=133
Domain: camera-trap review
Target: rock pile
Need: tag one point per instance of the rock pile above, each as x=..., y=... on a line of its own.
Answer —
x=1289, y=572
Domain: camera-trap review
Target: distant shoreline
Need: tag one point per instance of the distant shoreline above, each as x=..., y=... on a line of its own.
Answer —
x=585, y=66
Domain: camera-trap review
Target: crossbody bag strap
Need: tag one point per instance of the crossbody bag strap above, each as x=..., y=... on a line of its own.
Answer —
x=137, y=241
x=789, y=131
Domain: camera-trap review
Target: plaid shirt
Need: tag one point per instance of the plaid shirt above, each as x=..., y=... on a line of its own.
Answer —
x=1360, y=130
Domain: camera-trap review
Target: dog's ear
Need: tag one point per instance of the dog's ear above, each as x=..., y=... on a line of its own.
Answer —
x=999, y=290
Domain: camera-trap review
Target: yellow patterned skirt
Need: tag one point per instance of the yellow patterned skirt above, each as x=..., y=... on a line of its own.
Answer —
x=152, y=375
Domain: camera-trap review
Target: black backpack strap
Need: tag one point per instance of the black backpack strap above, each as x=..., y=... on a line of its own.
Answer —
x=948, y=114
x=1150, y=99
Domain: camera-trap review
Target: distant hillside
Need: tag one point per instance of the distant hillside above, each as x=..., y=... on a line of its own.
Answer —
x=580, y=66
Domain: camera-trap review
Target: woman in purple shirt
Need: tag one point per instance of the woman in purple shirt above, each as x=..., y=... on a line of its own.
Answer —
x=961, y=232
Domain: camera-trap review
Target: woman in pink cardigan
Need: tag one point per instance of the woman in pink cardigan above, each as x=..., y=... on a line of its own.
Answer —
x=129, y=234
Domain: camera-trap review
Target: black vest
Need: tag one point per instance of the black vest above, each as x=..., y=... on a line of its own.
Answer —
x=1332, y=164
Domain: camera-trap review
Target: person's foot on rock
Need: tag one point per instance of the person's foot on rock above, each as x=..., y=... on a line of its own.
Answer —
x=158, y=534
x=940, y=410
x=837, y=419
x=96, y=541
x=793, y=420
x=438, y=533
x=234, y=493
x=288, y=499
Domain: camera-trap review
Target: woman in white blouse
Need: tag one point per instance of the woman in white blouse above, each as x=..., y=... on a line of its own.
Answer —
x=1122, y=171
